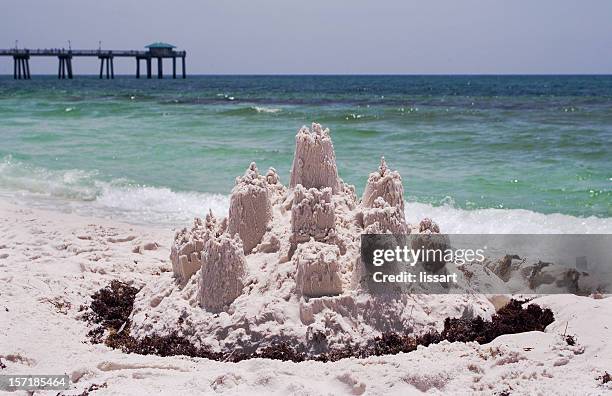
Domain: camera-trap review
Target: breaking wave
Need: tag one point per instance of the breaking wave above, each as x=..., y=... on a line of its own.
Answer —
x=84, y=192
x=251, y=110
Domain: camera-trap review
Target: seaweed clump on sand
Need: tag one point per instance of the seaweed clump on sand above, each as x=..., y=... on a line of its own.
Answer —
x=111, y=307
x=510, y=319
x=605, y=378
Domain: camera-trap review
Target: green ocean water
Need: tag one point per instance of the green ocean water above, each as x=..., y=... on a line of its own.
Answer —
x=540, y=144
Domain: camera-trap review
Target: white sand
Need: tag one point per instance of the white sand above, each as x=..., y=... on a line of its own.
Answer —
x=50, y=263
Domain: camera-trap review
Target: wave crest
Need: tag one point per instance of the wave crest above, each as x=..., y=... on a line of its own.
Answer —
x=251, y=110
x=84, y=192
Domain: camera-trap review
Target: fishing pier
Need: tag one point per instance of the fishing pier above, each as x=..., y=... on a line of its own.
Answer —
x=155, y=52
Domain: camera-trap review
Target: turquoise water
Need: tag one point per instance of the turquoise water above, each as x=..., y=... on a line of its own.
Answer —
x=537, y=143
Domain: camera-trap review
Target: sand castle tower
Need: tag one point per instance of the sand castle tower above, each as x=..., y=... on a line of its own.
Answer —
x=314, y=179
x=312, y=214
x=317, y=270
x=223, y=268
x=387, y=218
x=383, y=201
x=186, y=251
x=250, y=208
x=314, y=162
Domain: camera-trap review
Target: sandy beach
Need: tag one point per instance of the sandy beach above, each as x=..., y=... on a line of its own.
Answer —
x=51, y=263
x=305, y=198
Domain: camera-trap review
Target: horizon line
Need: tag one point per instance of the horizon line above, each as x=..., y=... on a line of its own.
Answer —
x=169, y=77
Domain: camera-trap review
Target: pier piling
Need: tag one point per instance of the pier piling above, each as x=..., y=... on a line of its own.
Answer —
x=27, y=67
x=160, y=68
x=149, y=68
x=107, y=64
x=21, y=67
x=64, y=69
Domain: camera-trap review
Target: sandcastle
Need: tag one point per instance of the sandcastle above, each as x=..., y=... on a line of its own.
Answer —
x=285, y=265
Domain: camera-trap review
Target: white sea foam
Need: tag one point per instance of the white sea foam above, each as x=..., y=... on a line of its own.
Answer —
x=72, y=184
x=261, y=109
x=83, y=192
x=164, y=206
x=454, y=220
x=160, y=205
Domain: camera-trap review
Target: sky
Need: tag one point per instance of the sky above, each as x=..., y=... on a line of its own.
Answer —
x=324, y=36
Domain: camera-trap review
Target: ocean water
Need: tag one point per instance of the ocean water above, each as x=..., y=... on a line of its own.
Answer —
x=478, y=153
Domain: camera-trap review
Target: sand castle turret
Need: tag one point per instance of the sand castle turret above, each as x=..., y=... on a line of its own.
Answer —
x=314, y=162
x=223, y=269
x=317, y=270
x=312, y=214
x=384, y=183
x=250, y=208
x=186, y=251
x=383, y=202
x=387, y=218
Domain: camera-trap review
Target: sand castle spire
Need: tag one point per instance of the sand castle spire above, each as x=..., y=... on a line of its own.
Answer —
x=385, y=183
x=382, y=168
x=383, y=202
x=314, y=162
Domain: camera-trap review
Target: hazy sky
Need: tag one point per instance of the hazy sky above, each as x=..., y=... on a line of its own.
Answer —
x=331, y=36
